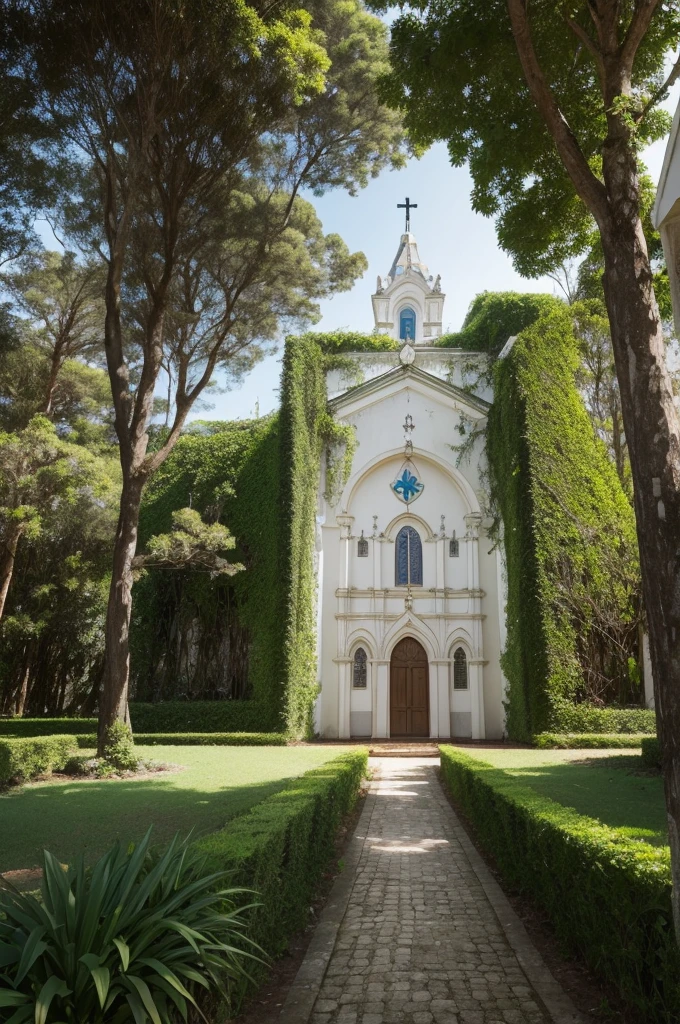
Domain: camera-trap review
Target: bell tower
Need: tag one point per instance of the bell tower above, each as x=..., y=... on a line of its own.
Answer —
x=408, y=304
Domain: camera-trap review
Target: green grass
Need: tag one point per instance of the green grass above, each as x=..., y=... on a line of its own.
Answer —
x=218, y=783
x=597, y=783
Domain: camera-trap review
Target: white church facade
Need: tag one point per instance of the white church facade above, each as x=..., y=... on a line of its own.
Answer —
x=411, y=592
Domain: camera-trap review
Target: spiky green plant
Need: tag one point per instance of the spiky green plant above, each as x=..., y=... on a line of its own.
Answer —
x=134, y=938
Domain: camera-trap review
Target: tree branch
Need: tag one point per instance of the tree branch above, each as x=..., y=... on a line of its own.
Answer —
x=642, y=16
x=662, y=92
x=590, y=189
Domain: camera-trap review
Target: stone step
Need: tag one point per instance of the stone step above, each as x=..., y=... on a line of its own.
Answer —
x=409, y=748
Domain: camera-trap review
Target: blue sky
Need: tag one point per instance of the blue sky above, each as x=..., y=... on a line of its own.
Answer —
x=453, y=240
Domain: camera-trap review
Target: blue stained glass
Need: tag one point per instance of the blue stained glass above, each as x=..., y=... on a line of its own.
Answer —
x=407, y=324
x=409, y=558
x=407, y=486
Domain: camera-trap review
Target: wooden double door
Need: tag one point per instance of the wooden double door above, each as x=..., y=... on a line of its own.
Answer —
x=409, y=690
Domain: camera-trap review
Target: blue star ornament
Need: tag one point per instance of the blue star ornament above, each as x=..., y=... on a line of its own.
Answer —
x=407, y=486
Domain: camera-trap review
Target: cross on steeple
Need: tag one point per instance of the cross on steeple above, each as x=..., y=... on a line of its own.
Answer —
x=408, y=206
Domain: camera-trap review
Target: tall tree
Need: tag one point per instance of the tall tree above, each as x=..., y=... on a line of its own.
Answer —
x=64, y=301
x=174, y=108
x=551, y=104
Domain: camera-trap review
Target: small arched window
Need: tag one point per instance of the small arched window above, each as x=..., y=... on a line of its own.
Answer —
x=362, y=546
x=359, y=673
x=407, y=324
x=460, y=671
x=408, y=558
x=454, y=547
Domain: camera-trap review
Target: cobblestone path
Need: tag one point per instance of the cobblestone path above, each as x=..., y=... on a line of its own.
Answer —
x=420, y=941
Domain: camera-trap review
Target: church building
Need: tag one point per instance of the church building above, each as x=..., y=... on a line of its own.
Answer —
x=411, y=591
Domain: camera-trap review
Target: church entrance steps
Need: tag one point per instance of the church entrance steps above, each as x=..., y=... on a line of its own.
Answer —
x=403, y=748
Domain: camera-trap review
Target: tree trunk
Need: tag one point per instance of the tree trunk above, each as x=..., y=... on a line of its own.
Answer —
x=23, y=690
x=653, y=435
x=7, y=558
x=113, y=705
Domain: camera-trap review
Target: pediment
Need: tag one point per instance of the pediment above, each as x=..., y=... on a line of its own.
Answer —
x=395, y=380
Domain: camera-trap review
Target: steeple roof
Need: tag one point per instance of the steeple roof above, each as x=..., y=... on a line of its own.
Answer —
x=408, y=258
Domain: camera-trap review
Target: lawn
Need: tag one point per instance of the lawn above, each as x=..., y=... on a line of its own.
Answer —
x=599, y=783
x=218, y=783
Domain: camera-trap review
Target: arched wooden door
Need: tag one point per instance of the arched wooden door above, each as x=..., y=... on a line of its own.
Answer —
x=409, y=690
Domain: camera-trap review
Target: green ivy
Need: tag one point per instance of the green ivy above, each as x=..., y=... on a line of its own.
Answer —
x=568, y=531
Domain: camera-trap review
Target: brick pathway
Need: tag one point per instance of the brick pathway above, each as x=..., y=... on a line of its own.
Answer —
x=419, y=938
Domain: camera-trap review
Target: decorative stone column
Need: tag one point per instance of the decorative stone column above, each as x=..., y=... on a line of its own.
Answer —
x=381, y=719
x=344, y=682
x=345, y=523
x=473, y=523
x=441, y=727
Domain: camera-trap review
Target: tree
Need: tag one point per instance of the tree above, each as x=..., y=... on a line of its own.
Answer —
x=63, y=300
x=551, y=104
x=263, y=116
x=40, y=475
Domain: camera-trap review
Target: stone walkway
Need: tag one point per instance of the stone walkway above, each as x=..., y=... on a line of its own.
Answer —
x=417, y=931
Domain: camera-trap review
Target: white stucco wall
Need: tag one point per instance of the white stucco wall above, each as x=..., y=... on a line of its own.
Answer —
x=459, y=602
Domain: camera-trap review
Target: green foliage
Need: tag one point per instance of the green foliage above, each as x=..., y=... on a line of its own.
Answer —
x=586, y=740
x=456, y=75
x=569, y=537
x=586, y=717
x=192, y=544
x=91, y=949
x=282, y=846
x=196, y=739
x=650, y=754
x=607, y=896
x=23, y=759
x=119, y=748
x=493, y=317
x=197, y=716
x=22, y=727
x=336, y=342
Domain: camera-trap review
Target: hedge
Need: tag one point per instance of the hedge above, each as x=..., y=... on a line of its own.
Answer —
x=584, y=718
x=568, y=531
x=282, y=846
x=651, y=754
x=197, y=739
x=586, y=740
x=23, y=727
x=608, y=897
x=23, y=759
x=204, y=716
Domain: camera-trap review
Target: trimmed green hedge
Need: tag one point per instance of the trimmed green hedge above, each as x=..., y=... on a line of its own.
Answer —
x=651, y=754
x=19, y=727
x=588, y=718
x=197, y=716
x=608, y=897
x=197, y=739
x=282, y=846
x=587, y=740
x=23, y=759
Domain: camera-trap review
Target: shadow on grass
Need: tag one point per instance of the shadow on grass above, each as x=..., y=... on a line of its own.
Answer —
x=632, y=803
x=87, y=817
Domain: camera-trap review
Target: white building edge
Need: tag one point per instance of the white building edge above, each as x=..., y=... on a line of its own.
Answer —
x=411, y=592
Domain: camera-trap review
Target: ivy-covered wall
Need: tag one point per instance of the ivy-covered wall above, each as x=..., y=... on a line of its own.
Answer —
x=568, y=531
x=250, y=636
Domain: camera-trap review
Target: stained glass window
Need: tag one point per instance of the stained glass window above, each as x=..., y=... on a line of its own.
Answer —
x=408, y=558
x=359, y=675
x=362, y=546
x=407, y=324
x=460, y=673
x=454, y=548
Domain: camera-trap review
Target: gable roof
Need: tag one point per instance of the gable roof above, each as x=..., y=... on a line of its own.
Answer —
x=414, y=373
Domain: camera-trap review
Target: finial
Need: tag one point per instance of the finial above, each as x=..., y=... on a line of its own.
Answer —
x=408, y=206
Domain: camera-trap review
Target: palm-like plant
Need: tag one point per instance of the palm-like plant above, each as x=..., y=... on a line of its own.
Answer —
x=132, y=939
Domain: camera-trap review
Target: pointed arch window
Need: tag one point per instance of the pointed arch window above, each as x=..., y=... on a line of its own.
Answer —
x=362, y=546
x=408, y=558
x=359, y=669
x=460, y=670
x=407, y=324
x=454, y=547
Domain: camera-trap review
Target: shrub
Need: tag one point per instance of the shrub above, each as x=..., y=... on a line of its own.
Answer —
x=91, y=948
x=568, y=717
x=608, y=897
x=651, y=754
x=46, y=726
x=119, y=748
x=196, y=716
x=587, y=740
x=282, y=846
x=26, y=758
x=197, y=739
